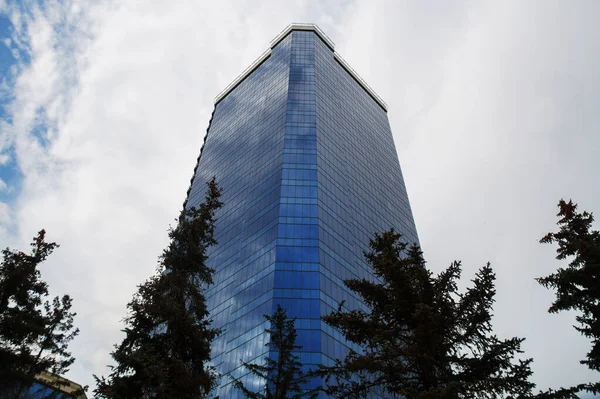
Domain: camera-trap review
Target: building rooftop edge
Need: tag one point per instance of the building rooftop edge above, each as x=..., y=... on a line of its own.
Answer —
x=309, y=27
x=279, y=38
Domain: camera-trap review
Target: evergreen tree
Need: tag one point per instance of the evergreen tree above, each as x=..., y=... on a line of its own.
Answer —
x=34, y=331
x=284, y=376
x=168, y=335
x=577, y=286
x=423, y=339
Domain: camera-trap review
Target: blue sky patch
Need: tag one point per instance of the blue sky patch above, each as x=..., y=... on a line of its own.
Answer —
x=9, y=67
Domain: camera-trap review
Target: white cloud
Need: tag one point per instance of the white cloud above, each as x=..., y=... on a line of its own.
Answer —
x=493, y=107
x=4, y=213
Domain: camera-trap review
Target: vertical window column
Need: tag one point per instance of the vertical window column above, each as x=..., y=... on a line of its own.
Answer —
x=297, y=264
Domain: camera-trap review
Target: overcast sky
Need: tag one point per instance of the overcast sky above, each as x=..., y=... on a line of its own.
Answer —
x=494, y=108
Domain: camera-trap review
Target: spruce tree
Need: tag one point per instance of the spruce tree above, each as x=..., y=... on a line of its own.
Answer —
x=577, y=285
x=34, y=331
x=423, y=339
x=168, y=334
x=284, y=376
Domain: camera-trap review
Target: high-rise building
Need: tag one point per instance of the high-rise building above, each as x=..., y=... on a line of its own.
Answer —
x=304, y=154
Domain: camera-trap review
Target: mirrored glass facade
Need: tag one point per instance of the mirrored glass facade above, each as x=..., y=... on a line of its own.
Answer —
x=306, y=161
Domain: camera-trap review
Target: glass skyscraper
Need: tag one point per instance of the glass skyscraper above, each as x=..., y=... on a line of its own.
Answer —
x=304, y=154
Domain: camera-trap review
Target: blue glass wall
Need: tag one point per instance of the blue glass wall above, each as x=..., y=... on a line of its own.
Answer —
x=309, y=171
x=360, y=187
x=40, y=391
x=297, y=260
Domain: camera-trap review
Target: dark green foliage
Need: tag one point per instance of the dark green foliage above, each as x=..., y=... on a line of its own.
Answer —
x=34, y=332
x=168, y=334
x=423, y=339
x=284, y=376
x=577, y=286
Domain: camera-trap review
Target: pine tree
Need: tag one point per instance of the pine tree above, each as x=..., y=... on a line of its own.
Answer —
x=423, y=339
x=577, y=286
x=168, y=334
x=284, y=376
x=34, y=331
